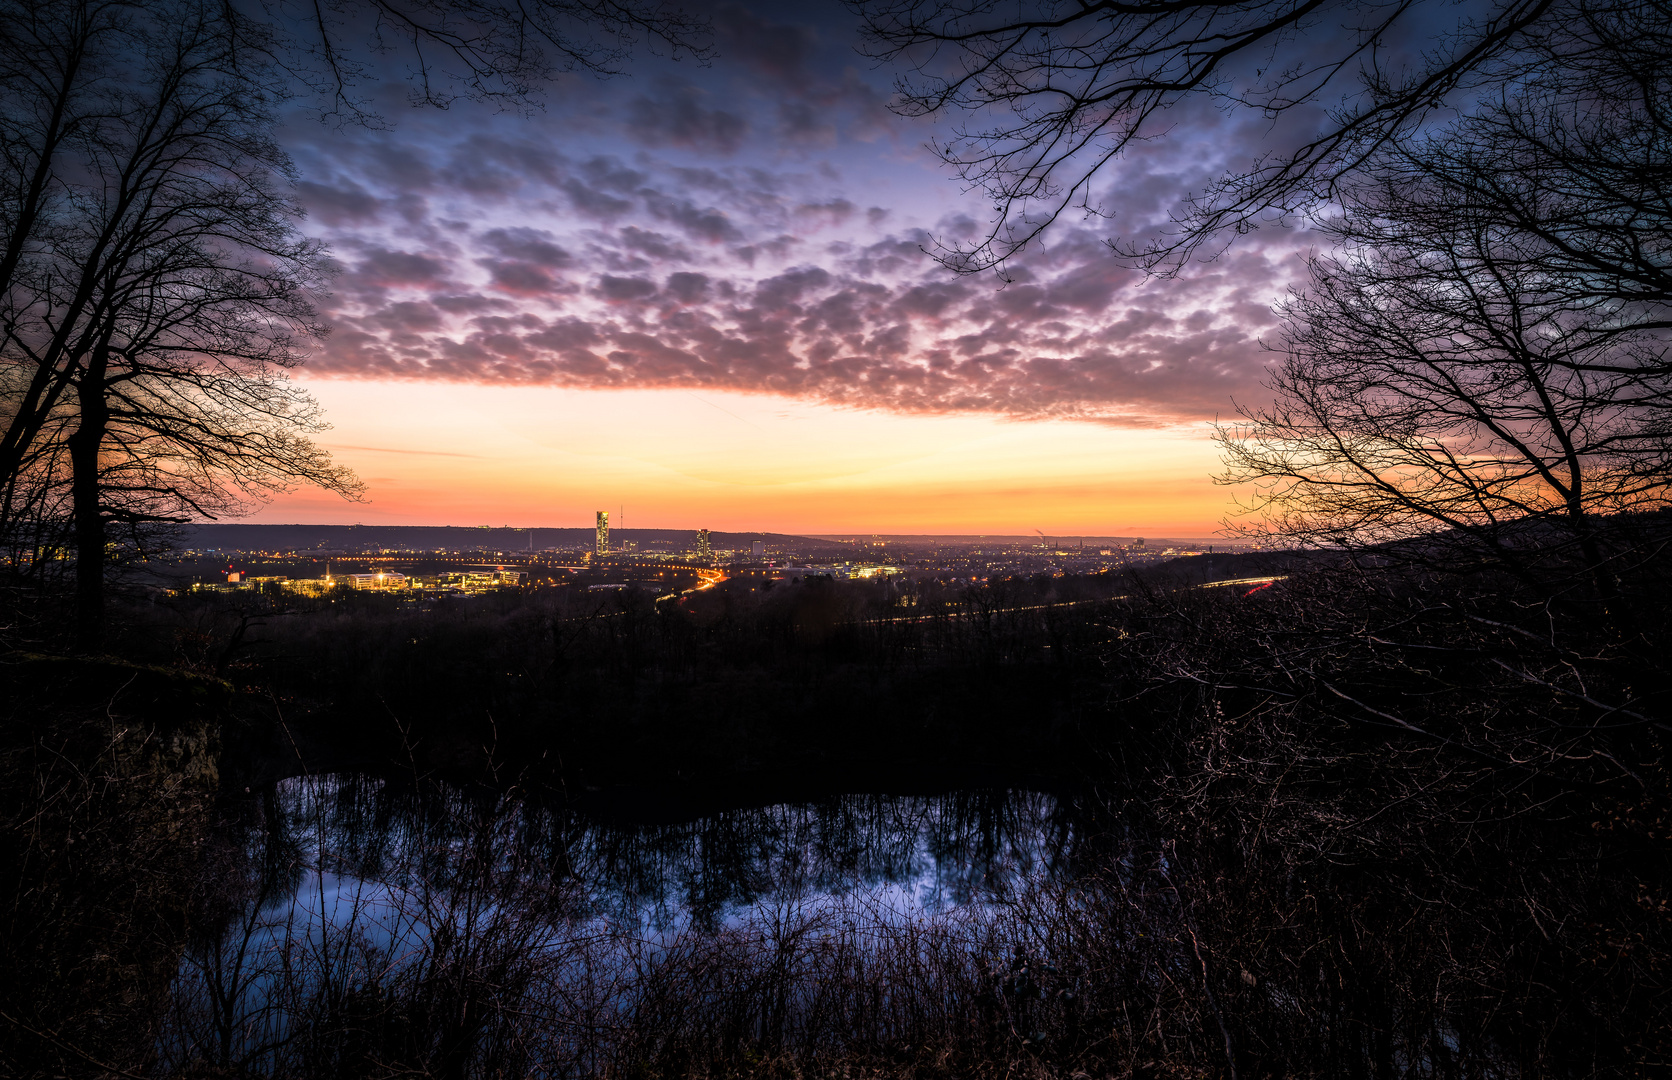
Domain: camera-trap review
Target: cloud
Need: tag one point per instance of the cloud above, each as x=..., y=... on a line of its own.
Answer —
x=508, y=261
x=520, y=278
x=697, y=221
x=677, y=116
x=383, y=267
x=528, y=245
x=654, y=244
x=1076, y=340
x=592, y=203
x=347, y=204
x=410, y=316
x=777, y=51
x=688, y=288
x=625, y=289
x=827, y=214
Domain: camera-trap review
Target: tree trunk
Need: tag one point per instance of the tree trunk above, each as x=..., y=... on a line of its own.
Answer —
x=85, y=489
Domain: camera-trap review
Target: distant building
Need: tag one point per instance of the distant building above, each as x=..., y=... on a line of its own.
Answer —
x=704, y=549
x=1138, y=544
x=381, y=580
x=757, y=548
x=603, y=532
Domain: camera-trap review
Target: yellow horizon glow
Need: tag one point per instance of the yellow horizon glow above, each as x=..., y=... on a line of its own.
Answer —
x=472, y=454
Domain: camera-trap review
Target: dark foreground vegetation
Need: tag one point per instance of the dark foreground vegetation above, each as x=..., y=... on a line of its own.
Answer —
x=1373, y=820
x=786, y=686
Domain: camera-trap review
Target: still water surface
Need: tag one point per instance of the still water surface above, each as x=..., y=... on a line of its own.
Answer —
x=349, y=892
x=344, y=833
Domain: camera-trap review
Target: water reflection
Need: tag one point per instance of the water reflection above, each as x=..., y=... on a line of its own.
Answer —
x=353, y=909
x=929, y=852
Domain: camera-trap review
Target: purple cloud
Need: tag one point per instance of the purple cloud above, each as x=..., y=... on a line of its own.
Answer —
x=684, y=231
x=677, y=116
x=878, y=326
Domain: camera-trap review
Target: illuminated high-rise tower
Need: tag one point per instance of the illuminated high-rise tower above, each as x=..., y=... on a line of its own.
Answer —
x=704, y=550
x=603, y=532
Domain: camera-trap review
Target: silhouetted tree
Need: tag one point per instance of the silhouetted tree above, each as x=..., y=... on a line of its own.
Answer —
x=1489, y=348
x=163, y=295
x=484, y=50
x=1567, y=173
x=1432, y=389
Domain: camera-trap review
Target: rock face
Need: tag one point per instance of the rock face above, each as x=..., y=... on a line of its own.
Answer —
x=107, y=774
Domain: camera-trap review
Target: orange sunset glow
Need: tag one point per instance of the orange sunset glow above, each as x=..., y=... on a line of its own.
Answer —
x=538, y=456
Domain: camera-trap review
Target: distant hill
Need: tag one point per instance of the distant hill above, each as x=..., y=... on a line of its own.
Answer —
x=362, y=538
x=358, y=538
x=1151, y=540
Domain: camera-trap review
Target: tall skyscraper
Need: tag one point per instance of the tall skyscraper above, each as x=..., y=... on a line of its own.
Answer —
x=704, y=550
x=757, y=548
x=603, y=532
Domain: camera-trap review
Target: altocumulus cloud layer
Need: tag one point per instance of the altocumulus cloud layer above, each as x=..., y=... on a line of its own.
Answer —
x=759, y=231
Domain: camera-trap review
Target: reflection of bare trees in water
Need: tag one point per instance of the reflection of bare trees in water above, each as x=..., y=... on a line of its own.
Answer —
x=385, y=944
x=379, y=933
x=461, y=935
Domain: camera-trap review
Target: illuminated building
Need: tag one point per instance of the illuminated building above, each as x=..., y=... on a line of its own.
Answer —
x=757, y=548
x=603, y=532
x=383, y=579
x=703, y=549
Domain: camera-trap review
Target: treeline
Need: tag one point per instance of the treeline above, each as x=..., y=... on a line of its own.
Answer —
x=791, y=684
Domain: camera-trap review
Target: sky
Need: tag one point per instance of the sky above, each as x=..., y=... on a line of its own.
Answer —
x=699, y=296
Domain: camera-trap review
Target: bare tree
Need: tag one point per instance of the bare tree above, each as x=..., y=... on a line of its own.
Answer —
x=1486, y=361
x=1056, y=92
x=1568, y=173
x=164, y=295
x=56, y=78
x=484, y=50
x=1421, y=392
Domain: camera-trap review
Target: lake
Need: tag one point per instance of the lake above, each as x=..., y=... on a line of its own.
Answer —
x=347, y=891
